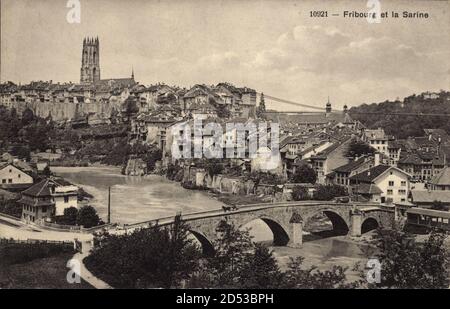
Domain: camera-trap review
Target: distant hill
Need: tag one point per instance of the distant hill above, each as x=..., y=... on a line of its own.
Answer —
x=402, y=126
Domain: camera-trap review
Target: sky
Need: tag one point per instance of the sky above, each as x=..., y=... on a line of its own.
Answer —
x=272, y=46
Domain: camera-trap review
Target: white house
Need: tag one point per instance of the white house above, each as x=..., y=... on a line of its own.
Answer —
x=47, y=199
x=382, y=184
x=11, y=176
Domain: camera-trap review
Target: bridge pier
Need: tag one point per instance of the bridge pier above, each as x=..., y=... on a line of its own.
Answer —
x=296, y=240
x=356, y=223
x=296, y=226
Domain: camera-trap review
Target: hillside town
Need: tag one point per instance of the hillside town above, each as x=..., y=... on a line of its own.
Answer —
x=364, y=173
x=367, y=163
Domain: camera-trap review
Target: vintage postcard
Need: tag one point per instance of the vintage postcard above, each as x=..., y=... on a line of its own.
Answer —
x=211, y=144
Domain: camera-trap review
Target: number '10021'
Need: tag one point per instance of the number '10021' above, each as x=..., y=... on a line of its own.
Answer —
x=318, y=14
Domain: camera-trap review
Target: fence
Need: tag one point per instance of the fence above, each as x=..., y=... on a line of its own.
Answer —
x=34, y=241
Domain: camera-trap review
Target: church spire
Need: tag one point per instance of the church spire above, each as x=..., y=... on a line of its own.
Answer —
x=132, y=72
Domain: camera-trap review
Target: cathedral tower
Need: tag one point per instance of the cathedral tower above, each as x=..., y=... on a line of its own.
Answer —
x=90, y=61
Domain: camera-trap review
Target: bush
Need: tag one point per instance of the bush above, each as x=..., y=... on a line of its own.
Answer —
x=359, y=148
x=304, y=174
x=87, y=217
x=153, y=257
x=173, y=172
x=11, y=207
x=329, y=192
x=70, y=215
x=300, y=193
x=22, y=253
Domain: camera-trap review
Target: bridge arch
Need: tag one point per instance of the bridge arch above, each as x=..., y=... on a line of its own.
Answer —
x=369, y=224
x=207, y=246
x=280, y=235
x=340, y=225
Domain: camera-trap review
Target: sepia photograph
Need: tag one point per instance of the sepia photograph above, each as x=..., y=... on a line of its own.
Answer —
x=224, y=150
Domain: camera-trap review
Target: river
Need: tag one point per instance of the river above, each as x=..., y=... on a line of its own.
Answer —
x=136, y=199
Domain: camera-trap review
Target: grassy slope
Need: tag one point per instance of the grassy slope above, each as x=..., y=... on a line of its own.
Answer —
x=45, y=273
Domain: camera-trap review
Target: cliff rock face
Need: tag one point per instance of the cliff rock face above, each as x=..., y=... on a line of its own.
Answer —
x=68, y=111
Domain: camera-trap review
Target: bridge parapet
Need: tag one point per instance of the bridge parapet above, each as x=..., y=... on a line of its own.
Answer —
x=285, y=219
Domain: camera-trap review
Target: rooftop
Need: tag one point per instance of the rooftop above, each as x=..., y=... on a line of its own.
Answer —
x=443, y=178
x=429, y=212
x=43, y=188
x=347, y=168
x=430, y=196
x=370, y=174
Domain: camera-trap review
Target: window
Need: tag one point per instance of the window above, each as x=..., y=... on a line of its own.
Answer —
x=391, y=183
x=389, y=192
x=3, y=180
x=403, y=183
x=402, y=192
x=66, y=199
x=18, y=175
x=10, y=180
x=44, y=208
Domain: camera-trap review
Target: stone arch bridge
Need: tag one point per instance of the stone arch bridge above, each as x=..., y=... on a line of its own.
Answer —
x=285, y=219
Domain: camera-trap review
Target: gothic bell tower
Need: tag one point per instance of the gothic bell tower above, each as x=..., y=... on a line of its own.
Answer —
x=90, y=61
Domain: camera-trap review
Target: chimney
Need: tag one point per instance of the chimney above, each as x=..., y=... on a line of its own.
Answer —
x=377, y=159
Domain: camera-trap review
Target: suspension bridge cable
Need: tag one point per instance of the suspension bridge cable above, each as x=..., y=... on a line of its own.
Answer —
x=350, y=112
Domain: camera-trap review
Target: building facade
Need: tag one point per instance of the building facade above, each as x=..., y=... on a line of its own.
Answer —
x=90, y=61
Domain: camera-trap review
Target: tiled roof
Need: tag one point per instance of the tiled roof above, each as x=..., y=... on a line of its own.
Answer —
x=375, y=134
x=324, y=153
x=430, y=196
x=292, y=140
x=429, y=212
x=370, y=174
x=409, y=158
x=443, y=178
x=367, y=188
x=42, y=188
x=347, y=168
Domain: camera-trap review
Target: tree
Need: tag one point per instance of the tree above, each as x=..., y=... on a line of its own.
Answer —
x=232, y=250
x=213, y=166
x=70, y=216
x=148, y=258
x=130, y=108
x=88, y=217
x=23, y=152
x=175, y=257
x=260, y=270
x=329, y=192
x=296, y=277
x=408, y=264
x=304, y=174
x=383, y=115
x=300, y=193
x=358, y=148
x=46, y=171
x=27, y=116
